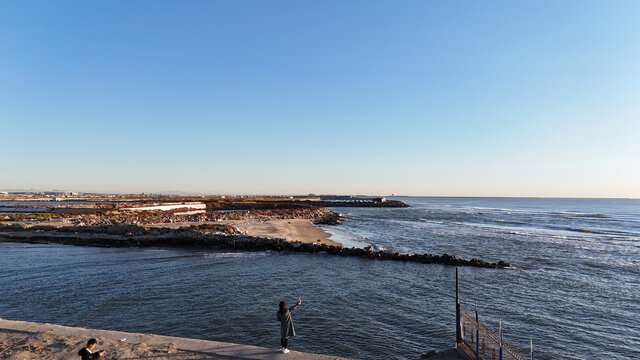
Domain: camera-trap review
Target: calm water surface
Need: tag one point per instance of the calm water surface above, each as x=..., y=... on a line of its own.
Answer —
x=575, y=290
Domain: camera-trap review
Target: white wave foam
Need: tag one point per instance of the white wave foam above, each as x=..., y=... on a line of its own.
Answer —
x=233, y=254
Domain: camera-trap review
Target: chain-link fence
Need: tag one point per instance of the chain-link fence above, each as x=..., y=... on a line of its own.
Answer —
x=483, y=342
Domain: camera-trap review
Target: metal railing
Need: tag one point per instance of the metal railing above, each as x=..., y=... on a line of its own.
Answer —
x=483, y=341
x=478, y=340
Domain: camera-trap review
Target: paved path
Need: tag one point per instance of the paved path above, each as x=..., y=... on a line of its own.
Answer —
x=208, y=349
x=451, y=354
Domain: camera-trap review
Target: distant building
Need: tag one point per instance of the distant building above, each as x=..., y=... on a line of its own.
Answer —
x=60, y=193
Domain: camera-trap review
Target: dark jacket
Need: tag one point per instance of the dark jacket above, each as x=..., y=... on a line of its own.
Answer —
x=86, y=355
x=286, y=324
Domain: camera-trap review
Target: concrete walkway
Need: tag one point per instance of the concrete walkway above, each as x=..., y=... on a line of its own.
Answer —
x=451, y=354
x=206, y=349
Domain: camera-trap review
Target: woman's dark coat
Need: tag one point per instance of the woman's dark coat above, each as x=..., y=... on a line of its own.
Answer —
x=286, y=325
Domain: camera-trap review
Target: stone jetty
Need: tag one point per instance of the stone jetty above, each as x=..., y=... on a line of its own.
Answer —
x=135, y=236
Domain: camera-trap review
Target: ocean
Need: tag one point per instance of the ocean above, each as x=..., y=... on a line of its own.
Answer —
x=574, y=288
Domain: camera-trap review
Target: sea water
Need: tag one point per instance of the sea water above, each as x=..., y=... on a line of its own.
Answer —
x=574, y=288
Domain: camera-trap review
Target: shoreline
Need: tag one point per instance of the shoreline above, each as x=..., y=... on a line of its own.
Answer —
x=183, y=238
x=28, y=340
x=292, y=230
x=300, y=230
x=246, y=225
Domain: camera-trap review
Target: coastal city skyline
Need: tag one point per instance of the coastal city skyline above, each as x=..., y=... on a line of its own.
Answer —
x=532, y=99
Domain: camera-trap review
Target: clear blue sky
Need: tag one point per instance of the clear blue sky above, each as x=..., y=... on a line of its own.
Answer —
x=467, y=98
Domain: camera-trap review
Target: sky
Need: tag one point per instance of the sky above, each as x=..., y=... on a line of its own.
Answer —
x=433, y=98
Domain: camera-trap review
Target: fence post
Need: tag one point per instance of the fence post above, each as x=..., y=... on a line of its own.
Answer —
x=458, y=330
x=477, y=333
x=500, y=327
x=531, y=343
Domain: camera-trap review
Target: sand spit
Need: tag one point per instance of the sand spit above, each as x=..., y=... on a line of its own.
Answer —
x=27, y=340
x=300, y=230
x=294, y=230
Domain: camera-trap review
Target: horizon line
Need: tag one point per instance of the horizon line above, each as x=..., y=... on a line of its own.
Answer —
x=186, y=193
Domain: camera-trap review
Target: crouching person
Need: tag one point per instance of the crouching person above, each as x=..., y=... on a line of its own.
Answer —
x=87, y=352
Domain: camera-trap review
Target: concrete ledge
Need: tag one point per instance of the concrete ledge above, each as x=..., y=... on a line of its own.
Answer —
x=209, y=349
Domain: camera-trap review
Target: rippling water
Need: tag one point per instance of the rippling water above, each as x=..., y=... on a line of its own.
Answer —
x=575, y=289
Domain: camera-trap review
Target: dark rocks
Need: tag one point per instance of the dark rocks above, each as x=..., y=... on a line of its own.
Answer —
x=265, y=205
x=133, y=237
x=385, y=204
x=329, y=219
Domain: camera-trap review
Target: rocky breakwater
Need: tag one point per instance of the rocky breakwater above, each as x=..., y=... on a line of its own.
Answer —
x=319, y=215
x=137, y=236
x=369, y=253
x=367, y=204
x=262, y=205
x=327, y=217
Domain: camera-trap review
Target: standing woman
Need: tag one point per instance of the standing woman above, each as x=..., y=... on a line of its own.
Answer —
x=286, y=325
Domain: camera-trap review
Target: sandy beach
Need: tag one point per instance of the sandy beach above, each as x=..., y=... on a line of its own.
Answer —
x=301, y=230
x=20, y=340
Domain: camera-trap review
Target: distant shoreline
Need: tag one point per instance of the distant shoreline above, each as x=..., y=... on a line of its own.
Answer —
x=246, y=224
